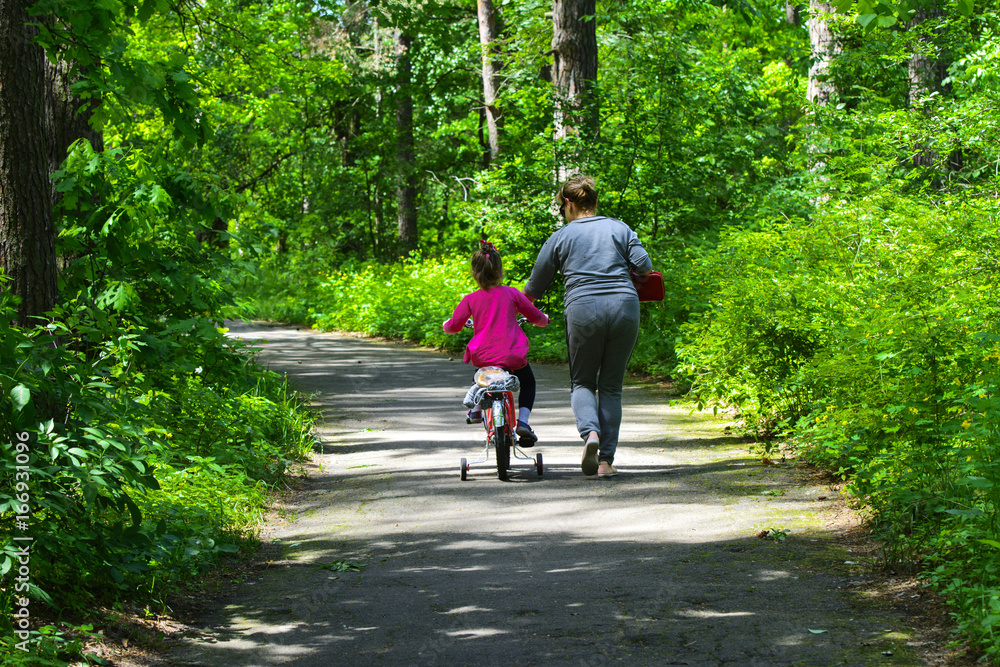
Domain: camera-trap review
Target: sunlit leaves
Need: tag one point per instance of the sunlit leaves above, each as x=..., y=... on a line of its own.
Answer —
x=893, y=13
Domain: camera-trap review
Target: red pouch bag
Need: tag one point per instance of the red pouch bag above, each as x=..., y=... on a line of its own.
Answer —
x=650, y=286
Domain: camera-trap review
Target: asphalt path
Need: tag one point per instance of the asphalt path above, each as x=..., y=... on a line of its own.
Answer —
x=663, y=565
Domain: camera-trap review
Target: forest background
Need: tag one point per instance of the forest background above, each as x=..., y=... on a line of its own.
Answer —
x=817, y=183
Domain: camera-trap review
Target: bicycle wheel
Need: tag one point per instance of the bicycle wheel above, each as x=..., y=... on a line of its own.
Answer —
x=538, y=464
x=503, y=453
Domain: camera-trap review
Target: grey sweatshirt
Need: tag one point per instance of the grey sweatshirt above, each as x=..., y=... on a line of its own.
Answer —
x=591, y=254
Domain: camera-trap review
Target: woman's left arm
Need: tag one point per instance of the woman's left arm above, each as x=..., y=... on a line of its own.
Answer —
x=638, y=258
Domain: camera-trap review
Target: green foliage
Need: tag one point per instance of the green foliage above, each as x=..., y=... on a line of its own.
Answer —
x=894, y=13
x=693, y=135
x=870, y=333
x=129, y=381
x=407, y=301
x=344, y=566
x=117, y=421
x=49, y=647
x=94, y=38
x=775, y=534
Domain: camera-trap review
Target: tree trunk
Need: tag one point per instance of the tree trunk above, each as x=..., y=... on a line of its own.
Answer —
x=926, y=70
x=406, y=184
x=68, y=118
x=824, y=48
x=792, y=12
x=574, y=72
x=487, y=38
x=27, y=235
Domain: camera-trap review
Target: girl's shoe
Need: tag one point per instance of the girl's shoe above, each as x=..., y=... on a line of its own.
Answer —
x=526, y=435
x=474, y=417
x=588, y=464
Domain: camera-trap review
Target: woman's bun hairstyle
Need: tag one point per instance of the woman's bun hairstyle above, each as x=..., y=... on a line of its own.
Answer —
x=580, y=190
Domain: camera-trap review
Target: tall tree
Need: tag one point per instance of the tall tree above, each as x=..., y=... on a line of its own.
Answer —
x=574, y=72
x=67, y=116
x=925, y=68
x=792, y=12
x=406, y=185
x=488, y=35
x=824, y=48
x=27, y=236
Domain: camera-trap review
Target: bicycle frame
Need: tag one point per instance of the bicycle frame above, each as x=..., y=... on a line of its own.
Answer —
x=502, y=418
x=500, y=422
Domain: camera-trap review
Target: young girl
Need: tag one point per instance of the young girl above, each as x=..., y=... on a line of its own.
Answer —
x=498, y=340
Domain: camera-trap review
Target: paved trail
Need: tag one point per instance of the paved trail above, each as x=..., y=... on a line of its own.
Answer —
x=660, y=566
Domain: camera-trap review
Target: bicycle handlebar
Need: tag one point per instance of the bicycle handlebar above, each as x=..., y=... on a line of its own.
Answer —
x=521, y=319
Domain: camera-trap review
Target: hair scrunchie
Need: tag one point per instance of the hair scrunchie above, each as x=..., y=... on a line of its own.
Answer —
x=486, y=246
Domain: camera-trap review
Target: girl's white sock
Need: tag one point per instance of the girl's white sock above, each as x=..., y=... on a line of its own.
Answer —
x=522, y=415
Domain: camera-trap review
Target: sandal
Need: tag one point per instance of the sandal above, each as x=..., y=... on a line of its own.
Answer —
x=588, y=464
x=609, y=471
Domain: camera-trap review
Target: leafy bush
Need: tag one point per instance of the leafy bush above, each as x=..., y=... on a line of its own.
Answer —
x=149, y=453
x=50, y=647
x=871, y=334
x=121, y=419
x=408, y=300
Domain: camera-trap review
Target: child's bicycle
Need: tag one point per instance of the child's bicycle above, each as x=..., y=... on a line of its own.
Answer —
x=497, y=406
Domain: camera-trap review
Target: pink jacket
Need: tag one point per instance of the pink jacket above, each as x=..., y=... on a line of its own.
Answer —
x=498, y=340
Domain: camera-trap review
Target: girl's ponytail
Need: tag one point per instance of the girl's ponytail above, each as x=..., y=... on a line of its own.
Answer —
x=487, y=267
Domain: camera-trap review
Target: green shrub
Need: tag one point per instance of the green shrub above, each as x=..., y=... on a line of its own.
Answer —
x=870, y=335
x=149, y=453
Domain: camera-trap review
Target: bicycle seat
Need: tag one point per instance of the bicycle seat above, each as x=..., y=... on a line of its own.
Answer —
x=489, y=374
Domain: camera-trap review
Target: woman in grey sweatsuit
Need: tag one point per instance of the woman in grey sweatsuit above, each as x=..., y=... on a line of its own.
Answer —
x=594, y=255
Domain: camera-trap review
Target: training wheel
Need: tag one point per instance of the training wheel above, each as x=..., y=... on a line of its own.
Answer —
x=538, y=464
x=465, y=468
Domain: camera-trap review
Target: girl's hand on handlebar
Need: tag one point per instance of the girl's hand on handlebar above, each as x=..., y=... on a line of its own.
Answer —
x=522, y=320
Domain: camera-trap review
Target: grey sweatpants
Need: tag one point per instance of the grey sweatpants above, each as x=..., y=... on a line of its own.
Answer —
x=601, y=331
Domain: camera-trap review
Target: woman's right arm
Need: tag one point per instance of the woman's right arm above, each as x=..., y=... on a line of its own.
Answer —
x=543, y=272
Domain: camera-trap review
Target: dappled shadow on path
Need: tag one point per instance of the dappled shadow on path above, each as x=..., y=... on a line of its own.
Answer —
x=659, y=566
x=550, y=598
